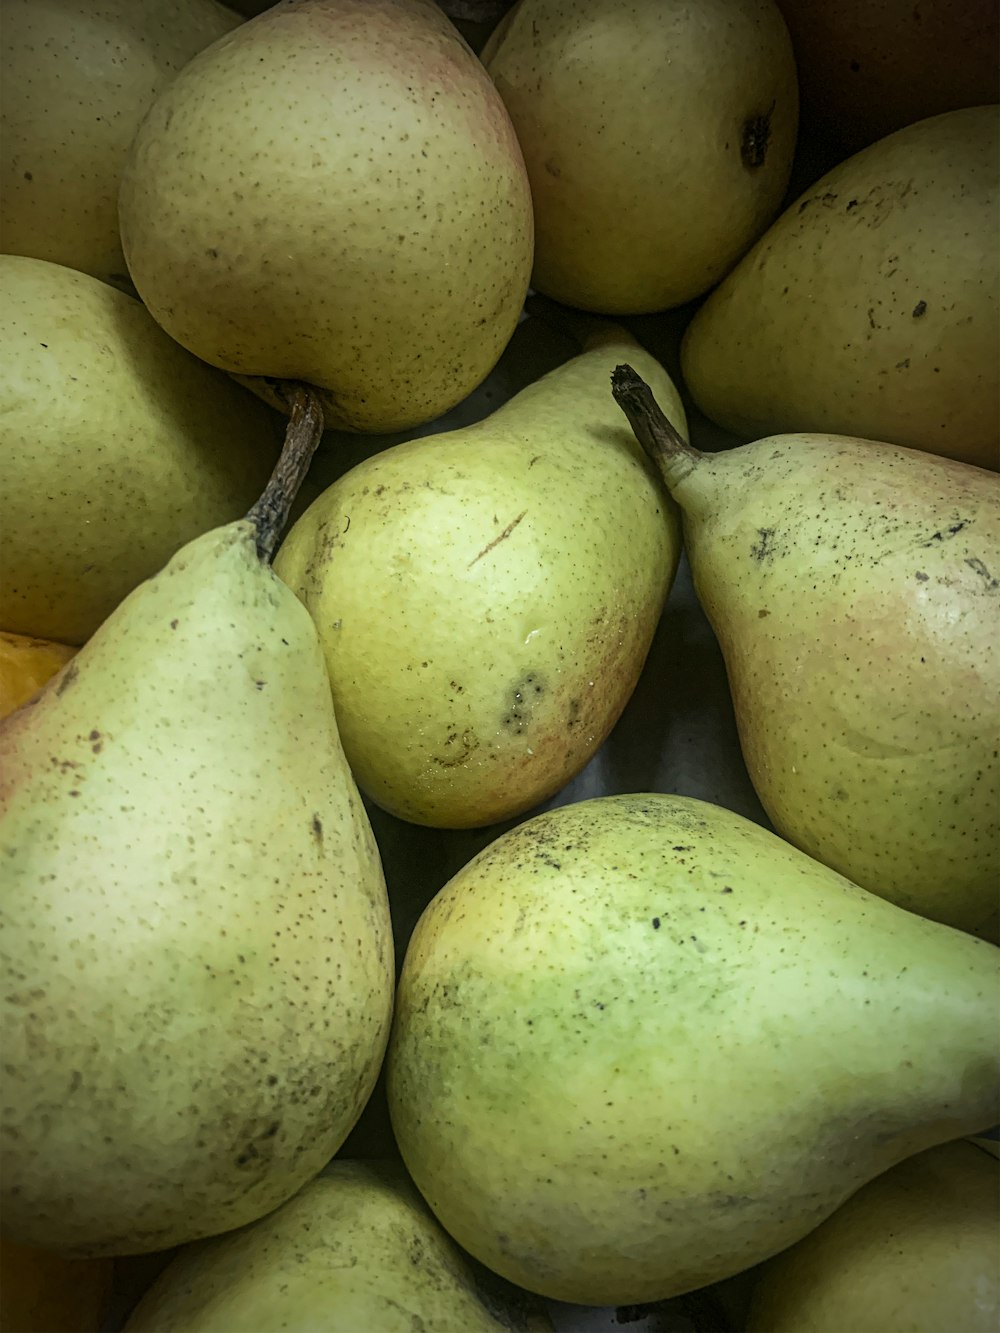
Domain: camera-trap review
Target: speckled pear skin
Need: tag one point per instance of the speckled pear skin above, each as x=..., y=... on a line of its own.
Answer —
x=334, y=193
x=916, y=1249
x=871, y=307
x=855, y=589
x=486, y=597
x=355, y=1251
x=658, y=138
x=641, y=1044
x=76, y=79
x=194, y=938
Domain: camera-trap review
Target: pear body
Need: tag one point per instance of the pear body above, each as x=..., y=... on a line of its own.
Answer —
x=25, y=665
x=641, y=1044
x=852, y=587
x=658, y=138
x=356, y=1248
x=486, y=597
x=76, y=78
x=915, y=1250
x=871, y=307
x=116, y=447
x=195, y=936
x=334, y=194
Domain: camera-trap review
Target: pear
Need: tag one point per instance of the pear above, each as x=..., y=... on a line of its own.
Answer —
x=76, y=78
x=334, y=194
x=853, y=588
x=194, y=931
x=25, y=665
x=871, y=307
x=355, y=1251
x=486, y=597
x=915, y=1249
x=641, y=1044
x=116, y=447
x=658, y=138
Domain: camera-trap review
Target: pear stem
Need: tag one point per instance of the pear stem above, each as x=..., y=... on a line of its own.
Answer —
x=302, y=436
x=665, y=447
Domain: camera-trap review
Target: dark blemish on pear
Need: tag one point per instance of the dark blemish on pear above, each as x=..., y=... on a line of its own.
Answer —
x=656, y=923
x=68, y=678
x=763, y=549
x=523, y=698
x=921, y=576
x=317, y=828
x=497, y=540
x=946, y=532
x=755, y=138
x=977, y=566
x=919, y=309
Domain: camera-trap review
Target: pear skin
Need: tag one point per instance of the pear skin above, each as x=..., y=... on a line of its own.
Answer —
x=641, y=1044
x=355, y=1251
x=194, y=932
x=915, y=1249
x=486, y=597
x=854, y=589
x=25, y=665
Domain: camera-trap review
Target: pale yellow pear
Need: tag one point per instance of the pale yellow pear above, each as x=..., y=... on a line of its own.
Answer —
x=334, y=193
x=915, y=1251
x=641, y=1044
x=116, y=447
x=76, y=78
x=25, y=665
x=871, y=307
x=854, y=588
x=486, y=597
x=355, y=1251
x=194, y=931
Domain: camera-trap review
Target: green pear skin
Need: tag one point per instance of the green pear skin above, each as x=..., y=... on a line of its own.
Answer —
x=871, y=307
x=658, y=139
x=76, y=79
x=334, y=194
x=641, y=1044
x=355, y=1250
x=915, y=1249
x=194, y=937
x=116, y=447
x=853, y=588
x=486, y=597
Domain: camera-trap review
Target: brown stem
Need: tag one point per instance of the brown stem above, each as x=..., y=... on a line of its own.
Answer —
x=302, y=434
x=665, y=447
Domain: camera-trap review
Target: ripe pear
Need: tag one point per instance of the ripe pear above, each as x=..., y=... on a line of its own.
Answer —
x=355, y=1250
x=915, y=1249
x=194, y=932
x=334, y=194
x=116, y=447
x=76, y=78
x=854, y=590
x=658, y=138
x=871, y=307
x=641, y=1044
x=25, y=665
x=486, y=597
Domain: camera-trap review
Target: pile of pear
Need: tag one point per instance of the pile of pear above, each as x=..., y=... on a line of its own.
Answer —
x=638, y=1044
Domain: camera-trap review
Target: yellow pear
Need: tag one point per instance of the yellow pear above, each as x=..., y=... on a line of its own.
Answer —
x=194, y=932
x=116, y=447
x=871, y=307
x=658, y=137
x=76, y=78
x=641, y=1044
x=334, y=193
x=25, y=665
x=355, y=1251
x=917, y=1249
x=854, y=589
x=486, y=597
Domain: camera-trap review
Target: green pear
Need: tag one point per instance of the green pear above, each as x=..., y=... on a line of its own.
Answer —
x=641, y=1044
x=854, y=591
x=194, y=931
x=658, y=138
x=76, y=78
x=916, y=1249
x=334, y=194
x=871, y=307
x=355, y=1251
x=486, y=597
x=116, y=447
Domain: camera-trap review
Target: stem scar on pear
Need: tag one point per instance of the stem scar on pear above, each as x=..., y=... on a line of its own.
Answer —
x=662, y=443
x=302, y=436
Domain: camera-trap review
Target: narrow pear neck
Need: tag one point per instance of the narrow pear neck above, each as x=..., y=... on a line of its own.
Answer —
x=666, y=449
